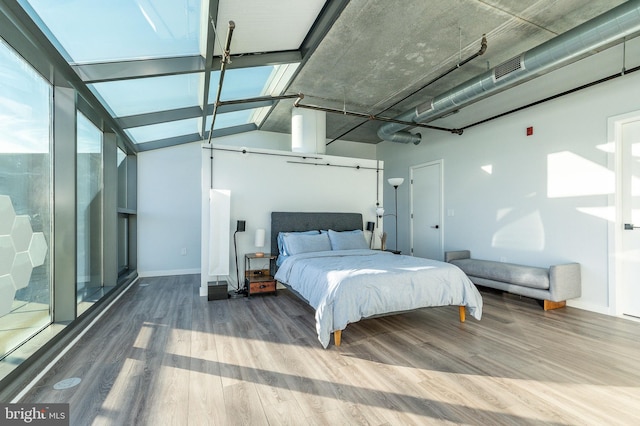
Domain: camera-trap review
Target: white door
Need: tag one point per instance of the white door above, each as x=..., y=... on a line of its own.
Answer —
x=426, y=210
x=630, y=187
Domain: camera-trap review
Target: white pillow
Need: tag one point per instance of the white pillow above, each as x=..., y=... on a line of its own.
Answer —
x=347, y=240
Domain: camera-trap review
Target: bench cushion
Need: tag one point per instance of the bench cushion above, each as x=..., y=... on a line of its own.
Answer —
x=528, y=276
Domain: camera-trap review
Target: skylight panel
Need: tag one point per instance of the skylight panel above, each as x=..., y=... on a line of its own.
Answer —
x=116, y=30
x=230, y=119
x=166, y=130
x=240, y=83
x=142, y=95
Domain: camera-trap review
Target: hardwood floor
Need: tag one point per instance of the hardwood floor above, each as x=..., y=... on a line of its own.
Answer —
x=164, y=355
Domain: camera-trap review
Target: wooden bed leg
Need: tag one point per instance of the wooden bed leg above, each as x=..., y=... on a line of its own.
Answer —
x=548, y=305
x=462, y=313
x=337, y=337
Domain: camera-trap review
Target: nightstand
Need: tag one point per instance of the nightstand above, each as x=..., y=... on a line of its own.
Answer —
x=259, y=281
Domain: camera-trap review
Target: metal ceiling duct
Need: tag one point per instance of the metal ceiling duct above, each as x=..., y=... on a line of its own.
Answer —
x=584, y=40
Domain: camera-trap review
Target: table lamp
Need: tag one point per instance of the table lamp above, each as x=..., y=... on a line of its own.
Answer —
x=259, y=241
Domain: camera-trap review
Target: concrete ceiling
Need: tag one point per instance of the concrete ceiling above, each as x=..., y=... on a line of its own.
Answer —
x=379, y=51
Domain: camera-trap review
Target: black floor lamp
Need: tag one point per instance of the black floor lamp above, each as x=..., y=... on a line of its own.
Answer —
x=370, y=227
x=396, y=182
x=240, y=291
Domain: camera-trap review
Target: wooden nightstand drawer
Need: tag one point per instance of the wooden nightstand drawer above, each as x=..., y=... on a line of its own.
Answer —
x=259, y=280
x=256, y=287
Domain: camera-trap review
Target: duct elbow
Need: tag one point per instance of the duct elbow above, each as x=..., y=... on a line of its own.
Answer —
x=399, y=137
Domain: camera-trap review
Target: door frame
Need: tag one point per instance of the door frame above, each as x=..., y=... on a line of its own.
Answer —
x=616, y=225
x=440, y=163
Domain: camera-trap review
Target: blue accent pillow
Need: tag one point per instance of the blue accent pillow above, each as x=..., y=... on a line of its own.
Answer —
x=281, y=246
x=301, y=243
x=348, y=240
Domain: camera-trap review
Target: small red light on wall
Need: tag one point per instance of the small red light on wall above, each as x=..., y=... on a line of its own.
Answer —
x=529, y=131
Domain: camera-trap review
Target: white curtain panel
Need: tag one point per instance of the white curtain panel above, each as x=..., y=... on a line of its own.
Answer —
x=219, y=231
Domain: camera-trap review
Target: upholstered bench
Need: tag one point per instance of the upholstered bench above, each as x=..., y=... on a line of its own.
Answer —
x=553, y=285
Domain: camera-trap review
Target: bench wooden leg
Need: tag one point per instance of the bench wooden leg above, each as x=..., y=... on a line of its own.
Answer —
x=462, y=313
x=548, y=305
x=337, y=337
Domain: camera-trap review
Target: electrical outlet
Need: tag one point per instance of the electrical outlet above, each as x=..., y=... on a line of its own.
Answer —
x=183, y=251
x=451, y=212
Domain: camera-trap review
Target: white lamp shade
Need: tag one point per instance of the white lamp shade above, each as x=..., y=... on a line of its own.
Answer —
x=219, y=219
x=259, y=242
x=395, y=181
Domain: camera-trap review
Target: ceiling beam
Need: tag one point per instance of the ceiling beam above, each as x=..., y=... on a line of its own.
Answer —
x=194, y=137
x=165, y=143
x=126, y=70
x=325, y=20
x=227, y=131
x=262, y=59
x=158, y=117
x=185, y=113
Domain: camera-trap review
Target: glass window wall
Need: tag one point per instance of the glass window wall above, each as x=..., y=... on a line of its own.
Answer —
x=89, y=213
x=123, y=212
x=25, y=201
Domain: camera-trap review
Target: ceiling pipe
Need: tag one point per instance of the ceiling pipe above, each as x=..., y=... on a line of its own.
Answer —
x=224, y=60
x=297, y=103
x=601, y=32
x=480, y=52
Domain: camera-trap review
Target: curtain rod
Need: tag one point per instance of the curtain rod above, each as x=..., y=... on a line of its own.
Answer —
x=246, y=151
x=304, y=157
x=335, y=165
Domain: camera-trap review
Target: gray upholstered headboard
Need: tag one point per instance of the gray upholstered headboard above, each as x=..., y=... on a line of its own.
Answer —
x=299, y=221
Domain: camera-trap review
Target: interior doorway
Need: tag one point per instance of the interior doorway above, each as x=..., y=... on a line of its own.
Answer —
x=626, y=280
x=426, y=210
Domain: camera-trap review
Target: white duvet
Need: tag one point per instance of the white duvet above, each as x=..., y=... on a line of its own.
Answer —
x=345, y=286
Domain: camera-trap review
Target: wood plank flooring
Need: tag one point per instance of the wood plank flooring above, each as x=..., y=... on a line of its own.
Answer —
x=165, y=356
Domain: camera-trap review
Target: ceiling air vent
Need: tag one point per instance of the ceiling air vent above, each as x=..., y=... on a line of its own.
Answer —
x=508, y=67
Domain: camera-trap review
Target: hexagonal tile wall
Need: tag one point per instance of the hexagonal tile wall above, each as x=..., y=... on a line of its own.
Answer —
x=21, y=270
x=7, y=254
x=21, y=233
x=21, y=250
x=37, y=249
x=7, y=215
x=7, y=293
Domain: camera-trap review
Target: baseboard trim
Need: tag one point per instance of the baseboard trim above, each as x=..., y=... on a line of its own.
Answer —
x=589, y=307
x=167, y=273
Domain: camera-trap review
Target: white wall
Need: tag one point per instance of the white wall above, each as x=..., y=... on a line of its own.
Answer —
x=264, y=181
x=169, y=210
x=547, y=197
x=169, y=196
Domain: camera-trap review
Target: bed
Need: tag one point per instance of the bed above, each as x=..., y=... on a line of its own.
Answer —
x=345, y=281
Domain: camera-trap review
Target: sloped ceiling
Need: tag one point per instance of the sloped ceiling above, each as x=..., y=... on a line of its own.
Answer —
x=161, y=60
x=378, y=52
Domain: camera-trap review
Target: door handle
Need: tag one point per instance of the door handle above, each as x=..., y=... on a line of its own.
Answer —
x=435, y=226
x=630, y=227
